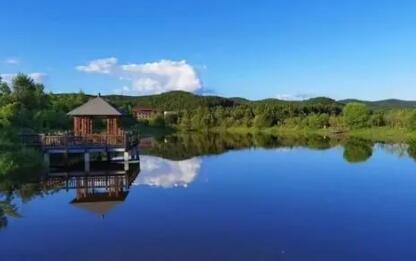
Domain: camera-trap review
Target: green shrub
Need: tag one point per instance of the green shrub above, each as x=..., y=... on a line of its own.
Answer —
x=318, y=121
x=263, y=120
x=356, y=115
x=412, y=120
x=157, y=121
x=376, y=119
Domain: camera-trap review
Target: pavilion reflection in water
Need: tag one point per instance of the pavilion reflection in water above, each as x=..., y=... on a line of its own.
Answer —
x=97, y=192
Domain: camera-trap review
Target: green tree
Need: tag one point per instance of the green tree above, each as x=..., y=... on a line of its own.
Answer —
x=53, y=120
x=7, y=113
x=4, y=88
x=263, y=120
x=185, y=122
x=171, y=119
x=318, y=121
x=377, y=119
x=397, y=118
x=157, y=121
x=356, y=115
x=412, y=121
x=28, y=93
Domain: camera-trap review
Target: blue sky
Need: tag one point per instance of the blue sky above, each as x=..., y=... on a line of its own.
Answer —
x=253, y=49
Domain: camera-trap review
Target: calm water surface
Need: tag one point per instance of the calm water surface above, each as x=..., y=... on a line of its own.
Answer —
x=217, y=200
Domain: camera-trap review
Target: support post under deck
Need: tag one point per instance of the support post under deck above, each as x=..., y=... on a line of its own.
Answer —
x=126, y=160
x=87, y=161
x=46, y=159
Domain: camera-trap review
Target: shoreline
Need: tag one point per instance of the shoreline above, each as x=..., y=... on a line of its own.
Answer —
x=374, y=134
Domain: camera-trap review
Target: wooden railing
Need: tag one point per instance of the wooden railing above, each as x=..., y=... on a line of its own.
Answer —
x=90, y=140
x=88, y=181
x=66, y=141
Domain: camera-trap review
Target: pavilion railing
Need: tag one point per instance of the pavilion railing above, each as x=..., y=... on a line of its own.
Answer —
x=65, y=140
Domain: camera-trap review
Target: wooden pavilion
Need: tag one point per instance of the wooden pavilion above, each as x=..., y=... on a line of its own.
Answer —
x=97, y=107
x=85, y=140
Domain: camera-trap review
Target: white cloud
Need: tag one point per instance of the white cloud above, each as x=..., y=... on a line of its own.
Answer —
x=12, y=61
x=165, y=173
x=148, y=78
x=104, y=66
x=294, y=97
x=37, y=77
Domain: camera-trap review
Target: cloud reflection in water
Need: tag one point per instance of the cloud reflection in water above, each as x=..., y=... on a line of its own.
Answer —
x=159, y=172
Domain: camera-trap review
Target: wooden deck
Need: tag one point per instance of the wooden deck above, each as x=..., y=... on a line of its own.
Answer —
x=88, y=142
x=95, y=179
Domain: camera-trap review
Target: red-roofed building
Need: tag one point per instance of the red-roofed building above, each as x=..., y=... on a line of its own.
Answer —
x=143, y=113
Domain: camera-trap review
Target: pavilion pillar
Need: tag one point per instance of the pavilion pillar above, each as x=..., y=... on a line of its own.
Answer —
x=77, y=126
x=82, y=126
x=114, y=130
x=112, y=126
x=89, y=125
x=108, y=126
x=85, y=126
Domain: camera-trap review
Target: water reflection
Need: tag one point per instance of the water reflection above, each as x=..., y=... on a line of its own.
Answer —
x=411, y=150
x=98, y=191
x=167, y=162
x=400, y=149
x=19, y=187
x=7, y=209
x=357, y=150
x=185, y=146
x=266, y=202
x=165, y=173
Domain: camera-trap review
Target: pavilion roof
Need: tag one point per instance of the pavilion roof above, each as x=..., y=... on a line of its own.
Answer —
x=95, y=107
x=98, y=208
x=100, y=203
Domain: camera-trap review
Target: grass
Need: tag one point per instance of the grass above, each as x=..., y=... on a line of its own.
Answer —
x=384, y=134
x=375, y=134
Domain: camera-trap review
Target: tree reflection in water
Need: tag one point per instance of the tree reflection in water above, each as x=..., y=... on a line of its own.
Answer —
x=170, y=161
x=411, y=150
x=7, y=209
x=357, y=150
x=189, y=145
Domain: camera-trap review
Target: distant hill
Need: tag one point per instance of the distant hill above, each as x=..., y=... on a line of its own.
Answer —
x=179, y=100
x=174, y=100
x=184, y=100
x=384, y=104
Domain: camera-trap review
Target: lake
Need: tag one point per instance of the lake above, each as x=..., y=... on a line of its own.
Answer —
x=224, y=197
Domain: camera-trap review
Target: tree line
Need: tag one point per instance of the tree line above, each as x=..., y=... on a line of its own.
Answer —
x=25, y=105
x=292, y=115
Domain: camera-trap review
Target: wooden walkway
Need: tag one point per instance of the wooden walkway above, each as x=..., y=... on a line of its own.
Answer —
x=126, y=144
x=71, y=143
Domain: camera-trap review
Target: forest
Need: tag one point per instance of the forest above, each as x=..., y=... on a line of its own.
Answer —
x=26, y=107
